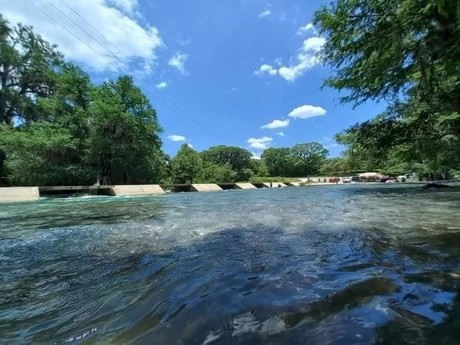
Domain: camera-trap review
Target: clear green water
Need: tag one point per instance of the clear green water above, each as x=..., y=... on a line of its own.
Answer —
x=317, y=265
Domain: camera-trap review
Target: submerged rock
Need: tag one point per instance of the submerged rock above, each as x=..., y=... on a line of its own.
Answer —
x=435, y=186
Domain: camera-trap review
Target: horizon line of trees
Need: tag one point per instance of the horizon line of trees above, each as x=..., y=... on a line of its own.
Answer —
x=59, y=128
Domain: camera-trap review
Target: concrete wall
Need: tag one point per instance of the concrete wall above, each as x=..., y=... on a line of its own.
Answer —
x=294, y=184
x=206, y=187
x=245, y=186
x=19, y=194
x=274, y=184
x=150, y=189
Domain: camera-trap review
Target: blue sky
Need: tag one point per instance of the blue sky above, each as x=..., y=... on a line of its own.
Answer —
x=216, y=71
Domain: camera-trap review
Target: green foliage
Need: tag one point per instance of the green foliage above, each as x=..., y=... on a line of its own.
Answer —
x=41, y=154
x=186, y=165
x=259, y=168
x=215, y=173
x=235, y=158
x=300, y=160
x=307, y=158
x=123, y=139
x=334, y=167
x=28, y=68
x=408, y=53
x=277, y=161
x=57, y=128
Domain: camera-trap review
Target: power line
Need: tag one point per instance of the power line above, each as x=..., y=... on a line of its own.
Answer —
x=168, y=97
x=46, y=14
x=92, y=27
x=90, y=35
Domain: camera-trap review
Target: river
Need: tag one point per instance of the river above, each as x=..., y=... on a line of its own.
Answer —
x=317, y=265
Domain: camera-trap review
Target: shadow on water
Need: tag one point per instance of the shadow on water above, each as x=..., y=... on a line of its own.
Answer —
x=236, y=286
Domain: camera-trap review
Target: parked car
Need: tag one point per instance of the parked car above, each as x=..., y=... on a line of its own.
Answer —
x=347, y=180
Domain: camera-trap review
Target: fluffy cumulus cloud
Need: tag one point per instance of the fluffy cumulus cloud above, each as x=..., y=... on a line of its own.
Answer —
x=162, y=85
x=306, y=58
x=127, y=6
x=260, y=143
x=265, y=13
x=305, y=29
x=276, y=124
x=306, y=111
x=177, y=138
x=266, y=69
x=280, y=134
x=178, y=62
x=101, y=35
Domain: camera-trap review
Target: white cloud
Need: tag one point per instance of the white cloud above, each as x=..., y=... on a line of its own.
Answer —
x=162, y=85
x=281, y=134
x=266, y=69
x=178, y=61
x=177, y=138
x=307, y=111
x=122, y=43
x=255, y=156
x=306, y=28
x=190, y=145
x=306, y=58
x=276, y=124
x=260, y=143
x=313, y=44
x=127, y=6
x=265, y=14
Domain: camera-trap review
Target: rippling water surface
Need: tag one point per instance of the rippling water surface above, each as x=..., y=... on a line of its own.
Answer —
x=318, y=265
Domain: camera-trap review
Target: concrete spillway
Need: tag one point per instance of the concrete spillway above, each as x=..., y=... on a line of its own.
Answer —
x=245, y=186
x=150, y=189
x=19, y=194
x=275, y=184
x=206, y=187
x=22, y=194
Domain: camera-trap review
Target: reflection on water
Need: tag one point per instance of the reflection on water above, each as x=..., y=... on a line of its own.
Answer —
x=323, y=265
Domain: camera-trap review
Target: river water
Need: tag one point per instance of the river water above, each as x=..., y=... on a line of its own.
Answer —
x=316, y=265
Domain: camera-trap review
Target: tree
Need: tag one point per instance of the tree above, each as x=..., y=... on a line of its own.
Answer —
x=334, y=167
x=214, y=173
x=277, y=161
x=307, y=158
x=381, y=48
x=28, y=69
x=123, y=141
x=238, y=159
x=186, y=165
x=259, y=167
x=41, y=154
x=408, y=53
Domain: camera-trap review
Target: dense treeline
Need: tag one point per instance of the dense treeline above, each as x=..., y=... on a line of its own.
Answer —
x=406, y=52
x=58, y=128
x=230, y=164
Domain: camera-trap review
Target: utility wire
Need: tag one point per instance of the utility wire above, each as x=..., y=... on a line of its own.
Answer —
x=92, y=27
x=168, y=97
x=46, y=14
x=122, y=63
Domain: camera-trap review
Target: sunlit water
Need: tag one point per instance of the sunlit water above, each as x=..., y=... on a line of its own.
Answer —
x=317, y=265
